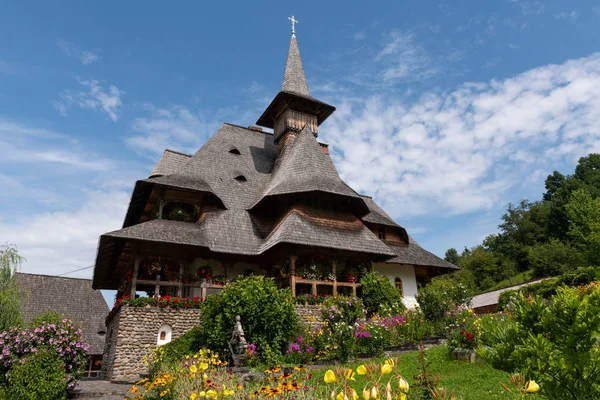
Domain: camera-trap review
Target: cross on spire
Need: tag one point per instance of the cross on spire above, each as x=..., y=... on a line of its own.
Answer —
x=294, y=22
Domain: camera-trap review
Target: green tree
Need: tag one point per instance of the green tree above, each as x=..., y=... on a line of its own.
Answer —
x=484, y=265
x=584, y=223
x=452, y=256
x=378, y=293
x=554, y=258
x=10, y=262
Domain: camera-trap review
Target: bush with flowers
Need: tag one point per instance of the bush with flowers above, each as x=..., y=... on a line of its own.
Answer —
x=63, y=339
x=554, y=340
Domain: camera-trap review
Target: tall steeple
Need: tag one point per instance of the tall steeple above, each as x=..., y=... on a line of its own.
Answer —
x=294, y=80
x=293, y=108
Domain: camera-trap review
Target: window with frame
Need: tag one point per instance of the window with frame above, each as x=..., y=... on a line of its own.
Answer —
x=398, y=285
x=381, y=232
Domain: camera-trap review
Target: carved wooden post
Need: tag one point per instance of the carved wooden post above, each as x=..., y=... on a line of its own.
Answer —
x=293, y=274
x=354, y=289
x=226, y=272
x=180, y=283
x=313, y=289
x=136, y=268
x=157, y=288
x=334, y=272
x=204, y=285
x=161, y=204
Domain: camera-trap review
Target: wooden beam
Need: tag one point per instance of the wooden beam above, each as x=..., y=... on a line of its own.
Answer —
x=136, y=268
x=180, y=282
x=157, y=287
x=293, y=274
x=334, y=272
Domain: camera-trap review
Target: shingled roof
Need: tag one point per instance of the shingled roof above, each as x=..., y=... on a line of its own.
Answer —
x=170, y=162
x=72, y=297
x=413, y=254
x=294, y=80
x=303, y=167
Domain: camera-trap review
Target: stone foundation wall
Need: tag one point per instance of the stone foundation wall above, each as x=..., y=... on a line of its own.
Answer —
x=309, y=314
x=133, y=331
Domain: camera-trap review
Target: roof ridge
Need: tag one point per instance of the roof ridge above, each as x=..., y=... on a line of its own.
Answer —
x=53, y=276
x=248, y=129
x=178, y=152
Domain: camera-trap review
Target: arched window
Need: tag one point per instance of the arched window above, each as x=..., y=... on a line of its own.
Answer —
x=235, y=151
x=398, y=285
x=241, y=178
x=164, y=335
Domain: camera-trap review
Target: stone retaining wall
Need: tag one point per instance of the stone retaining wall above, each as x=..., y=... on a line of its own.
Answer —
x=133, y=331
x=309, y=314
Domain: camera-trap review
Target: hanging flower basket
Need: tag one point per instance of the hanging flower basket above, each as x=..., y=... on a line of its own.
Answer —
x=351, y=276
x=204, y=274
x=219, y=280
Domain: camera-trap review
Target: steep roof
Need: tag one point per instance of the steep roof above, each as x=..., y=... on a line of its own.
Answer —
x=170, y=162
x=294, y=80
x=376, y=214
x=413, y=254
x=72, y=297
x=302, y=168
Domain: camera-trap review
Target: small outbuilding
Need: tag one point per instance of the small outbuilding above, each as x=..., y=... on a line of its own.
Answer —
x=73, y=298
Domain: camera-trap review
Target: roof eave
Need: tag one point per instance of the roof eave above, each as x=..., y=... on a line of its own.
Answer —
x=304, y=104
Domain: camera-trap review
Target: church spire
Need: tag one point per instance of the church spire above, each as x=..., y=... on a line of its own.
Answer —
x=293, y=108
x=294, y=80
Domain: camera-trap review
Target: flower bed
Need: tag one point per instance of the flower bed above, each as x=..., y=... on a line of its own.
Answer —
x=161, y=302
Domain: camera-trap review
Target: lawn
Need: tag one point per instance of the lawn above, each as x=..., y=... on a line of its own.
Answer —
x=470, y=381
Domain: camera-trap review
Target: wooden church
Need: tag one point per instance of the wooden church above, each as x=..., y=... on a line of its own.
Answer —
x=251, y=201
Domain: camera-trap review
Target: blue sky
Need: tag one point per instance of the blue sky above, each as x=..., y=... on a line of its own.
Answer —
x=446, y=112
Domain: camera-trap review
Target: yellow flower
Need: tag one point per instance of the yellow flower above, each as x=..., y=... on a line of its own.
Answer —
x=388, y=392
x=227, y=392
x=353, y=394
x=403, y=384
x=366, y=394
x=374, y=392
x=361, y=370
x=211, y=393
x=329, y=376
x=193, y=396
x=390, y=361
x=203, y=366
x=531, y=387
x=386, y=368
x=341, y=396
x=202, y=394
x=193, y=369
x=349, y=374
x=164, y=393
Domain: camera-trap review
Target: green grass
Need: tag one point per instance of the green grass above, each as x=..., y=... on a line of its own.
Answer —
x=517, y=279
x=470, y=381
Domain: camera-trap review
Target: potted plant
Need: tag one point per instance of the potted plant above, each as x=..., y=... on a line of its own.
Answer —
x=204, y=273
x=179, y=213
x=351, y=275
x=219, y=280
x=329, y=276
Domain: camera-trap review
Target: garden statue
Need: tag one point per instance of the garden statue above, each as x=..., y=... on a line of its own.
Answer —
x=238, y=345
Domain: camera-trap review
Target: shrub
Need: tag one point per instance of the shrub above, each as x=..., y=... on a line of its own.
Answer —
x=342, y=309
x=63, y=339
x=378, y=292
x=553, y=258
x=554, y=342
x=440, y=298
x=267, y=315
x=40, y=375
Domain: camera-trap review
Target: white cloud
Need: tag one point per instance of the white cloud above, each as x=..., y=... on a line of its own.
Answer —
x=461, y=151
x=85, y=56
x=95, y=98
x=63, y=241
x=571, y=16
x=403, y=59
x=530, y=7
x=176, y=127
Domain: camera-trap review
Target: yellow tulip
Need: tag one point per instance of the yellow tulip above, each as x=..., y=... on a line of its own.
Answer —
x=374, y=392
x=349, y=374
x=531, y=387
x=403, y=384
x=388, y=392
x=386, y=369
x=329, y=376
x=361, y=370
x=366, y=394
x=390, y=361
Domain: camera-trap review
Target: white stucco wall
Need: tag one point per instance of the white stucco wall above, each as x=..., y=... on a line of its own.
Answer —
x=404, y=272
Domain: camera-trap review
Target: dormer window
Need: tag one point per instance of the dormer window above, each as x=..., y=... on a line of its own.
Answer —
x=235, y=151
x=381, y=232
x=241, y=178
